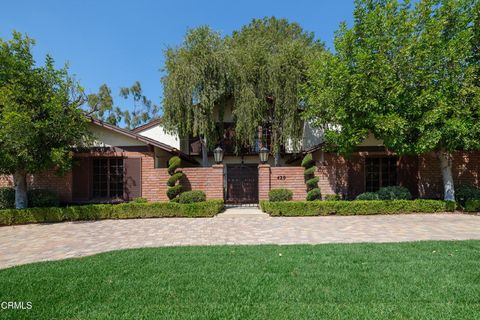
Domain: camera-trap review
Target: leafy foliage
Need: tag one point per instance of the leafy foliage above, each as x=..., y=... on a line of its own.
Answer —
x=472, y=205
x=466, y=192
x=42, y=198
x=280, y=195
x=394, y=193
x=356, y=207
x=368, y=196
x=314, y=194
x=7, y=198
x=257, y=70
x=101, y=106
x=174, y=189
x=332, y=197
x=192, y=196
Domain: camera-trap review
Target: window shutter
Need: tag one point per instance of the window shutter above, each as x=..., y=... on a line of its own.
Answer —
x=356, y=176
x=81, y=179
x=133, y=178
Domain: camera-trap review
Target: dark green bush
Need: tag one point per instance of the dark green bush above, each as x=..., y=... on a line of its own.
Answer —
x=280, y=195
x=310, y=171
x=312, y=183
x=332, y=197
x=174, y=191
x=308, y=161
x=314, y=194
x=111, y=211
x=39, y=198
x=394, y=193
x=192, y=197
x=7, y=198
x=173, y=164
x=465, y=192
x=357, y=207
x=472, y=205
x=174, y=178
x=368, y=196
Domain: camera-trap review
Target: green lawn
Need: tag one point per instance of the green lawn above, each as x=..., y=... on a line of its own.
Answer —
x=423, y=280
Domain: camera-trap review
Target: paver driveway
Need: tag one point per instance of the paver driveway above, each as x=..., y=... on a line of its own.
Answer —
x=38, y=242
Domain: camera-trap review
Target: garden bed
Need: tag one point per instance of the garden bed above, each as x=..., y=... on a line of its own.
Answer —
x=356, y=207
x=111, y=211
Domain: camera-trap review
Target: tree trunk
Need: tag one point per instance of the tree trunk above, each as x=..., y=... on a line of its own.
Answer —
x=203, y=141
x=447, y=176
x=20, y=181
x=277, y=159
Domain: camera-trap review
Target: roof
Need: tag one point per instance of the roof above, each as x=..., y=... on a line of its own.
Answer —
x=148, y=125
x=144, y=139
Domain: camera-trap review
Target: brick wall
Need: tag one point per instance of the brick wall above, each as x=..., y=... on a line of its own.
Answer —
x=466, y=170
x=209, y=179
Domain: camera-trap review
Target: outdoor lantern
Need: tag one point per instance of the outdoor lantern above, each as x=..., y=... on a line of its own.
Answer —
x=264, y=152
x=218, y=155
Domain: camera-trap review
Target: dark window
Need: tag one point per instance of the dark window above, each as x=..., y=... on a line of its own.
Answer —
x=108, y=178
x=380, y=172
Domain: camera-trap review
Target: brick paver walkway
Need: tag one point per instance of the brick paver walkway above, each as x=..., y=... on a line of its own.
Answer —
x=38, y=242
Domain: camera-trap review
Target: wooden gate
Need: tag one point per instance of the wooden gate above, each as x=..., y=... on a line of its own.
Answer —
x=242, y=184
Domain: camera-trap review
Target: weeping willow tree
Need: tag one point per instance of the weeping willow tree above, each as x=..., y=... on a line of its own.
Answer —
x=270, y=58
x=197, y=80
x=259, y=68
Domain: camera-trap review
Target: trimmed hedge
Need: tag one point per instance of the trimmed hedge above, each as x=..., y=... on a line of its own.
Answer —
x=280, y=195
x=472, y=205
x=357, y=207
x=111, y=211
x=192, y=196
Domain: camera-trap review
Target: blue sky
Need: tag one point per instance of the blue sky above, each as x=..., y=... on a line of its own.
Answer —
x=119, y=42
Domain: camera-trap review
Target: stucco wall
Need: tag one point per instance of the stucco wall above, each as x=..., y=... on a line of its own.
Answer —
x=158, y=133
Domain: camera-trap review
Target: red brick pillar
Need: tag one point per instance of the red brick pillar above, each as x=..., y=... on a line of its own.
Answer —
x=263, y=181
x=216, y=181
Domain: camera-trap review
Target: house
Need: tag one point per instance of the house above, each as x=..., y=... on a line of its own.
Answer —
x=125, y=164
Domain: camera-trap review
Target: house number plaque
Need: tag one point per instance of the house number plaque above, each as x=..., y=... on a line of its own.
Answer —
x=281, y=177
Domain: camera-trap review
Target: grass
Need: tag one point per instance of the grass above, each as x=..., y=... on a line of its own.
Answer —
x=420, y=280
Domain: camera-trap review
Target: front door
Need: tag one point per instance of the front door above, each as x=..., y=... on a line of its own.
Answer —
x=242, y=184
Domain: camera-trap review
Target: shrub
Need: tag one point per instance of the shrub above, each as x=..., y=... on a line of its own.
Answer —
x=357, y=207
x=465, y=192
x=332, y=197
x=394, y=193
x=312, y=183
x=368, y=196
x=140, y=200
x=174, y=178
x=309, y=172
x=280, y=195
x=174, y=191
x=111, y=211
x=7, y=198
x=38, y=198
x=314, y=194
x=307, y=161
x=192, y=197
x=472, y=205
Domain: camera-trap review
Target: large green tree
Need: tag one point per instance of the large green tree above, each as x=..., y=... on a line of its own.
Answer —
x=101, y=106
x=259, y=69
x=40, y=114
x=405, y=74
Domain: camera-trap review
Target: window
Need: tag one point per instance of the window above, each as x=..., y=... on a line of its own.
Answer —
x=380, y=172
x=108, y=178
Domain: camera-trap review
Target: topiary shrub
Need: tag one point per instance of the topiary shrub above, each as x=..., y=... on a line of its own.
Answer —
x=332, y=197
x=192, y=197
x=313, y=192
x=394, y=193
x=7, y=198
x=174, y=189
x=368, y=196
x=280, y=195
x=465, y=192
x=38, y=198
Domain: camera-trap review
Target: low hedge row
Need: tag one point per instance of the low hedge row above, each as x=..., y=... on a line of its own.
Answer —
x=111, y=211
x=472, y=205
x=356, y=207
